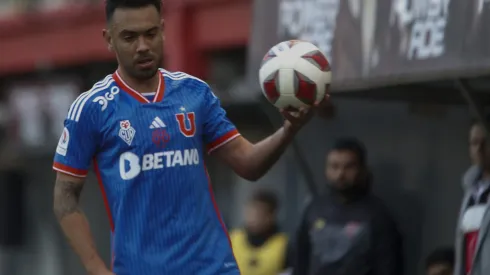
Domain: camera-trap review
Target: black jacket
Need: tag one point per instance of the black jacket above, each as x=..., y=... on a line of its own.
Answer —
x=355, y=238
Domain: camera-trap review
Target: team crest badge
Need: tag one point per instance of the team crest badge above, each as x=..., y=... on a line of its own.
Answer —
x=187, y=122
x=126, y=132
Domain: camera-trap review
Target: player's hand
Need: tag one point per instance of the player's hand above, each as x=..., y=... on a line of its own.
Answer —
x=295, y=119
x=325, y=109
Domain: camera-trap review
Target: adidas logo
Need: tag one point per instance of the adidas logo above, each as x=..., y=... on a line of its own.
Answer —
x=157, y=123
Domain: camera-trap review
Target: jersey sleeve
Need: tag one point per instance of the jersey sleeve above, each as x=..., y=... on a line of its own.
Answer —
x=218, y=129
x=78, y=141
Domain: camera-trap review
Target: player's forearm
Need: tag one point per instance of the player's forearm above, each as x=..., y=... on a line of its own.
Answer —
x=77, y=230
x=75, y=225
x=264, y=154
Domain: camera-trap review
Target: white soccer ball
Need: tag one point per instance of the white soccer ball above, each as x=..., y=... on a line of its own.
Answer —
x=294, y=74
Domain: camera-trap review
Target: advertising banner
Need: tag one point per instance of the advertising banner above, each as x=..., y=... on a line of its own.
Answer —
x=379, y=42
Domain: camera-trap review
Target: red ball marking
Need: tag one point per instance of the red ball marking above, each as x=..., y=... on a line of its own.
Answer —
x=306, y=89
x=268, y=56
x=319, y=59
x=270, y=88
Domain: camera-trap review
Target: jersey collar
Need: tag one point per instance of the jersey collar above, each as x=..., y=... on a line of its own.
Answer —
x=137, y=95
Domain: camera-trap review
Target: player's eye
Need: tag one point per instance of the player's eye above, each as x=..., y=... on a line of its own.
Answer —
x=129, y=38
x=151, y=34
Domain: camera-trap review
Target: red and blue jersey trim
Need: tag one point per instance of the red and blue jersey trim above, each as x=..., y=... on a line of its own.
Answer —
x=224, y=139
x=65, y=169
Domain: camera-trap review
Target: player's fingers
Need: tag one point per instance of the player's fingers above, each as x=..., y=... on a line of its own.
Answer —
x=292, y=109
x=299, y=118
x=303, y=110
x=288, y=114
x=306, y=112
x=309, y=113
x=323, y=101
x=291, y=117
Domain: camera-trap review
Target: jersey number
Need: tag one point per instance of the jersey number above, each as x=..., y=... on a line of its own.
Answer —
x=184, y=123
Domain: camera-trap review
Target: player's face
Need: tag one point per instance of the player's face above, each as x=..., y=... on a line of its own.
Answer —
x=136, y=36
x=479, y=152
x=342, y=169
x=258, y=217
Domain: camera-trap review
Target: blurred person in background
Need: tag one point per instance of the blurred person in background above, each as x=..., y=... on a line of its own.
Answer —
x=440, y=262
x=347, y=230
x=147, y=130
x=260, y=248
x=472, y=234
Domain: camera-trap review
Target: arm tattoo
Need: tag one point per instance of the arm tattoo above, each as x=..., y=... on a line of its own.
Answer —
x=66, y=197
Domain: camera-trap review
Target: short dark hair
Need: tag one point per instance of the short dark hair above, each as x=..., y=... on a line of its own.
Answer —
x=442, y=255
x=477, y=121
x=267, y=197
x=112, y=5
x=353, y=145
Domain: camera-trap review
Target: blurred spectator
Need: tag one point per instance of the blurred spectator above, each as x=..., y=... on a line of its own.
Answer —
x=472, y=238
x=440, y=262
x=347, y=230
x=260, y=248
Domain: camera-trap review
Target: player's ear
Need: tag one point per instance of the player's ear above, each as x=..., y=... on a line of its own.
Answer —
x=162, y=24
x=108, y=39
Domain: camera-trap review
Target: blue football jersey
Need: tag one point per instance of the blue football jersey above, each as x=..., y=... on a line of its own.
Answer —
x=147, y=151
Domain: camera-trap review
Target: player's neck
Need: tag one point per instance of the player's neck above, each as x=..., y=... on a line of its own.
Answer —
x=141, y=86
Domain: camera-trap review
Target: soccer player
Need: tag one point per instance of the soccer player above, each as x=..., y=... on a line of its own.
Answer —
x=146, y=130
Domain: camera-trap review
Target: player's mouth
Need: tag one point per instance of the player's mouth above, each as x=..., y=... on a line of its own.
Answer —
x=145, y=63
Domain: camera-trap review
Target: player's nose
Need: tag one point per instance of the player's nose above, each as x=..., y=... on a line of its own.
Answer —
x=143, y=45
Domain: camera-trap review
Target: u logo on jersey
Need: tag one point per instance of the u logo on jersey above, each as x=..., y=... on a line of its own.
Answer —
x=187, y=123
